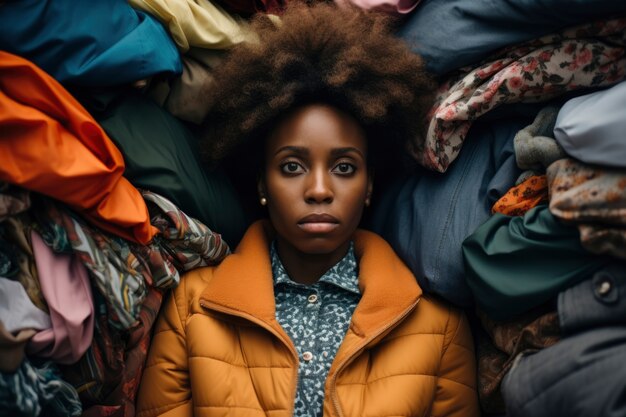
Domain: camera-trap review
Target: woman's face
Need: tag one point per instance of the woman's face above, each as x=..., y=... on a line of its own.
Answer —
x=316, y=180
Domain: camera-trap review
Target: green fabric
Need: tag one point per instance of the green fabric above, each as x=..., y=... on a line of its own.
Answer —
x=516, y=263
x=161, y=155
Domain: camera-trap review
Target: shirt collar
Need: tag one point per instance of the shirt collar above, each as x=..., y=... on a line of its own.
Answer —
x=344, y=274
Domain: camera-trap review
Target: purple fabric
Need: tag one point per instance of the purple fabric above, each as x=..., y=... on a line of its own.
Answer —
x=65, y=286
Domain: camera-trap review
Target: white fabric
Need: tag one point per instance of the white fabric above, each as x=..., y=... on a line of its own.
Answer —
x=17, y=312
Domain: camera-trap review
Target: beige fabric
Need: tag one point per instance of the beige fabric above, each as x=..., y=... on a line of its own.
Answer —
x=219, y=351
x=181, y=96
x=196, y=23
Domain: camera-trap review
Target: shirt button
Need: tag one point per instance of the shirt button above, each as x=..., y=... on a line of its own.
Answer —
x=307, y=356
x=312, y=298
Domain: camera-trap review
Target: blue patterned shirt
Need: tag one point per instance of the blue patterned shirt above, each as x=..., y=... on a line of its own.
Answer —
x=316, y=317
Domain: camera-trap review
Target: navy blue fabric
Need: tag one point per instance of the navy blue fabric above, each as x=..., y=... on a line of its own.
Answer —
x=450, y=34
x=88, y=43
x=426, y=217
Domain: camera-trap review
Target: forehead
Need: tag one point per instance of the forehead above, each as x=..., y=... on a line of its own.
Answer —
x=317, y=127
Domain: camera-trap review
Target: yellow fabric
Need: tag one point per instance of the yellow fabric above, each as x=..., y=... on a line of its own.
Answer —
x=196, y=23
x=218, y=349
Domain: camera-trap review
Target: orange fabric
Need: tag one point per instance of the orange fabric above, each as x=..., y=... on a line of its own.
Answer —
x=51, y=145
x=218, y=349
x=521, y=198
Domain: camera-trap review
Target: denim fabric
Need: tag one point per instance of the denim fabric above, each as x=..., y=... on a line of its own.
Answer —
x=450, y=34
x=88, y=43
x=427, y=216
x=316, y=318
x=591, y=128
x=580, y=376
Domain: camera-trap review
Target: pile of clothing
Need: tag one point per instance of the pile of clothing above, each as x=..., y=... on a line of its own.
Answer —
x=519, y=214
x=516, y=212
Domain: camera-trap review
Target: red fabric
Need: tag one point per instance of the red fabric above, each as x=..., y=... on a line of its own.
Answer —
x=51, y=145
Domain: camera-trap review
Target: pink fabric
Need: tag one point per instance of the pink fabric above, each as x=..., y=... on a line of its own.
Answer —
x=65, y=286
x=387, y=6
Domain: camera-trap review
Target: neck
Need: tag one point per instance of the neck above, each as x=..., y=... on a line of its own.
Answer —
x=305, y=268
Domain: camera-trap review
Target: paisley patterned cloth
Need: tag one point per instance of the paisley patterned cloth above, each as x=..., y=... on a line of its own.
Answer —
x=590, y=55
x=594, y=198
x=122, y=270
x=521, y=198
x=107, y=376
x=316, y=318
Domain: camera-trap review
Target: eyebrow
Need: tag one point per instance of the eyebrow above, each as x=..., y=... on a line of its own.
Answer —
x=335, y=152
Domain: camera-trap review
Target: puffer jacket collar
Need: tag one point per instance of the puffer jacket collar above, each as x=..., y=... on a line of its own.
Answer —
x=242, y=284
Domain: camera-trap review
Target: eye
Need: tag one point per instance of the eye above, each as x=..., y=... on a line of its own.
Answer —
x=344, y=168
x=291, y=168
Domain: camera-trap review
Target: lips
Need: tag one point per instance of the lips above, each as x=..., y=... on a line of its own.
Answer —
x=318, y=223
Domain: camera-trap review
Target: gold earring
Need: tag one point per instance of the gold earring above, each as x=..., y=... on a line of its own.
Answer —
x=263, y=201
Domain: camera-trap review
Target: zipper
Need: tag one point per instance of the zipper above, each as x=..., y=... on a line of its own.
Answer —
x=345, y=362
x=264, y=325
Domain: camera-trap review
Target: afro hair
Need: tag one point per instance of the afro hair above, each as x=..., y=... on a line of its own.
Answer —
x=322, y=53
x=339, y=56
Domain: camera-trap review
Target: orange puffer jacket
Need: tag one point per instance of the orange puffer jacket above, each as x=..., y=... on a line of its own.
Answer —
x=219, y=351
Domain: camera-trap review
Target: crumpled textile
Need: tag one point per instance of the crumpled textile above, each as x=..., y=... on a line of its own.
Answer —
x=95, y=43
x=12, y=348
x=17, y=312
x=184, y=243
x=122, y=271
x=162, y=155
x=502, y=343
x=426, y=216
x=513, y=264
x=521, y=198
x=395, y=7
x=590, y=55
x=181, y=95
x=108, y=259
x=535, y=146
x=196, y=23
x=13, y=200
x=581, y=376
x=594, y=198
x=59, y=150
x=591, y=127
x=15, y=232
x=66, y=287
x=450, y=34
x=37, y=390
x=108, y=375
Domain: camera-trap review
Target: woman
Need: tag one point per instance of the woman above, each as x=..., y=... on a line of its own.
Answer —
x=311, y=316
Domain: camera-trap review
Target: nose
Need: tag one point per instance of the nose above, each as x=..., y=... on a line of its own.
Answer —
x=319, y=187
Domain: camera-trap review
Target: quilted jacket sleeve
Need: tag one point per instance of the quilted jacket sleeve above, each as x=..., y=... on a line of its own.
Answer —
x=165, y=388
x=456, y=385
